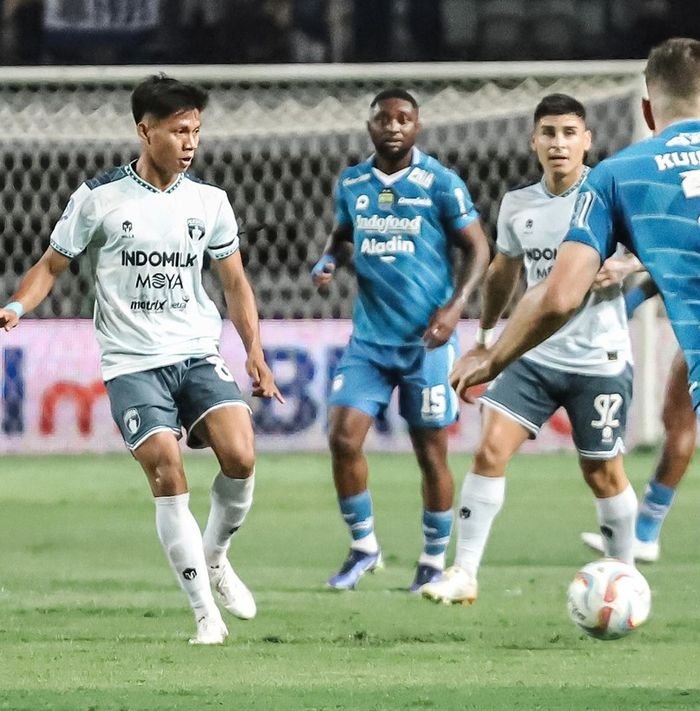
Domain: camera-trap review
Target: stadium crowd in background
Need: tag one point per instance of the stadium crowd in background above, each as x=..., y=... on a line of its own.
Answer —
x=243, y=31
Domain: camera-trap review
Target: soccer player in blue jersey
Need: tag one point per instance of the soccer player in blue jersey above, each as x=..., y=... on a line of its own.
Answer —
x=680, y=435
x=397, y=216
x=646, y=197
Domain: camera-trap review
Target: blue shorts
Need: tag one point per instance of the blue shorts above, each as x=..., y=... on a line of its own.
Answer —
x=597, y=405
x=367, y=375
x=170, y=398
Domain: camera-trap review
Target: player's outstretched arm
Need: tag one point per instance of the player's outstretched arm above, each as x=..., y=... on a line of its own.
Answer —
x=243, y=312
x=337, y=252
x=543, y=310
x=34, y=287
x=474, y=252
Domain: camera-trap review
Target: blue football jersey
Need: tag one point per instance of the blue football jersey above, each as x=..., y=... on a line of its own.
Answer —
x=647, y=197
x=400, y=225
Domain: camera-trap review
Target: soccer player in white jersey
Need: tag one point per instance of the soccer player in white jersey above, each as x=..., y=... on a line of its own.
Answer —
x=146, y=227
x=585, y=367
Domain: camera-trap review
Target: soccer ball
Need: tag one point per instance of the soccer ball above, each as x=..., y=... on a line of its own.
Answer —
x=608, y=599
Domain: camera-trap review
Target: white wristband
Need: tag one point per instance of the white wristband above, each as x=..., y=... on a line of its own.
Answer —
x=484, y=336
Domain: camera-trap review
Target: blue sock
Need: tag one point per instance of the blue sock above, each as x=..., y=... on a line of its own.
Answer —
x=357, y=514
x=652, y=510
x=437, y=526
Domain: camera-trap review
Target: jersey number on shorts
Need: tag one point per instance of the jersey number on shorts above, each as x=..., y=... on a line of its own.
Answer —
x=220, y=368
x=607, y=407
x=434, y=401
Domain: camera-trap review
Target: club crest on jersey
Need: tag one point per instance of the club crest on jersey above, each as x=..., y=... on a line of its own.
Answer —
x=529, y=224
x=132, y=420
x=195, y=228
x=385, y=199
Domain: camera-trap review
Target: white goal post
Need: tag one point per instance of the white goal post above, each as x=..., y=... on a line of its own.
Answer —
x=275, y=137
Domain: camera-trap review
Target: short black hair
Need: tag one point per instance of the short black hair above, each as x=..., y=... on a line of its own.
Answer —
x=559, y=105
x=394, y=92
x=162, y=96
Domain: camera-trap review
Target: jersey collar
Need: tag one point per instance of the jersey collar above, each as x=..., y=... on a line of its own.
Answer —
x=680, y=127
x=131, y=172
x=386, y=179
x=586, y=170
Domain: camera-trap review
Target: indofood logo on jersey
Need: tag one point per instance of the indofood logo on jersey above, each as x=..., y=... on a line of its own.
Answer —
x=389, y=224
x=140, y=258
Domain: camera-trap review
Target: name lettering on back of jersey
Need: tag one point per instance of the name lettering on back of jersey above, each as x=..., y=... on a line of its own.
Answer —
x=685, y=139
x=421, y=177
x=359, y=179
x=139, y=258
x=677, y=159
x=389, y=224
x=416, y=201
x=691, y=183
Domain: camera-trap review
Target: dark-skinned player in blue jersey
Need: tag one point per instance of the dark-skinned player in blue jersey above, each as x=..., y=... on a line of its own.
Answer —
x=399, y=214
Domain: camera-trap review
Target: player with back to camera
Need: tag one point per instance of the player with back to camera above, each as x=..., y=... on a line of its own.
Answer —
x=398, y=213
x=584, y=368
x=146, y=227
x=680, y=436
x=646, y=197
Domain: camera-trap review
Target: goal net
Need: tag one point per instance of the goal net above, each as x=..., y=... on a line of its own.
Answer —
x=276, y=138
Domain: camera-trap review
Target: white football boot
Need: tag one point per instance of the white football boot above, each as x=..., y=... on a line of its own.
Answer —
x=643, y=551
x=210, y=629
x=234, y=595
x=455, y=587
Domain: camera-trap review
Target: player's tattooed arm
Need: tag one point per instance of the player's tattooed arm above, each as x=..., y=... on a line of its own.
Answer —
x=474, y=255
x=336, y=253
x=34, y=287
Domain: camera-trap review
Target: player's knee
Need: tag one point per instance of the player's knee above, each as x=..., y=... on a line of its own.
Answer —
x=489, y=458
x=237, y=460
x=343, y=443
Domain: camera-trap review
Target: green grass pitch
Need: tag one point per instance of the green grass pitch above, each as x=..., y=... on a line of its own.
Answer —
x=91, y=616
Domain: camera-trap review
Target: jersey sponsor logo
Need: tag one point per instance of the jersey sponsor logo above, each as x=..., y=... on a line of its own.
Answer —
x=421, y=177
x=180, y=305
x=535, y=254
x=362, y=202
x=389, y=224
x=529, y=224
x=159, y=280
x=195, y=229
x=139, y=258
x=155, y=306
x=394, y=245
x=359, y=179
x=685, y=139
x=691, y=183
x=416, y=201
x=677, y=159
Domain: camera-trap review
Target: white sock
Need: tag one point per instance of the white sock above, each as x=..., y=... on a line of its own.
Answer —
x=616, y=517
x=434, y=561
x=368, y=544
x=231, y=500
x=480, y=501
x=181, y=539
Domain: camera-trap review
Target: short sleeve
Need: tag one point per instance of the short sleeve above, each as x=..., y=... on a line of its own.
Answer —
x=456, y=204
x=223, y=240
x=507, y=241
x=593, y=218
x=342, y=212
x=77, y=225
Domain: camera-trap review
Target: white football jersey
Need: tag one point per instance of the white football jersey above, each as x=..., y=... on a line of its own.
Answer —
x=532, y=222
x=146, y=248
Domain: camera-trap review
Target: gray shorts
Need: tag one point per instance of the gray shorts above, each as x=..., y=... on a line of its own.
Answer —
x=170, y=398
x=597, y=405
